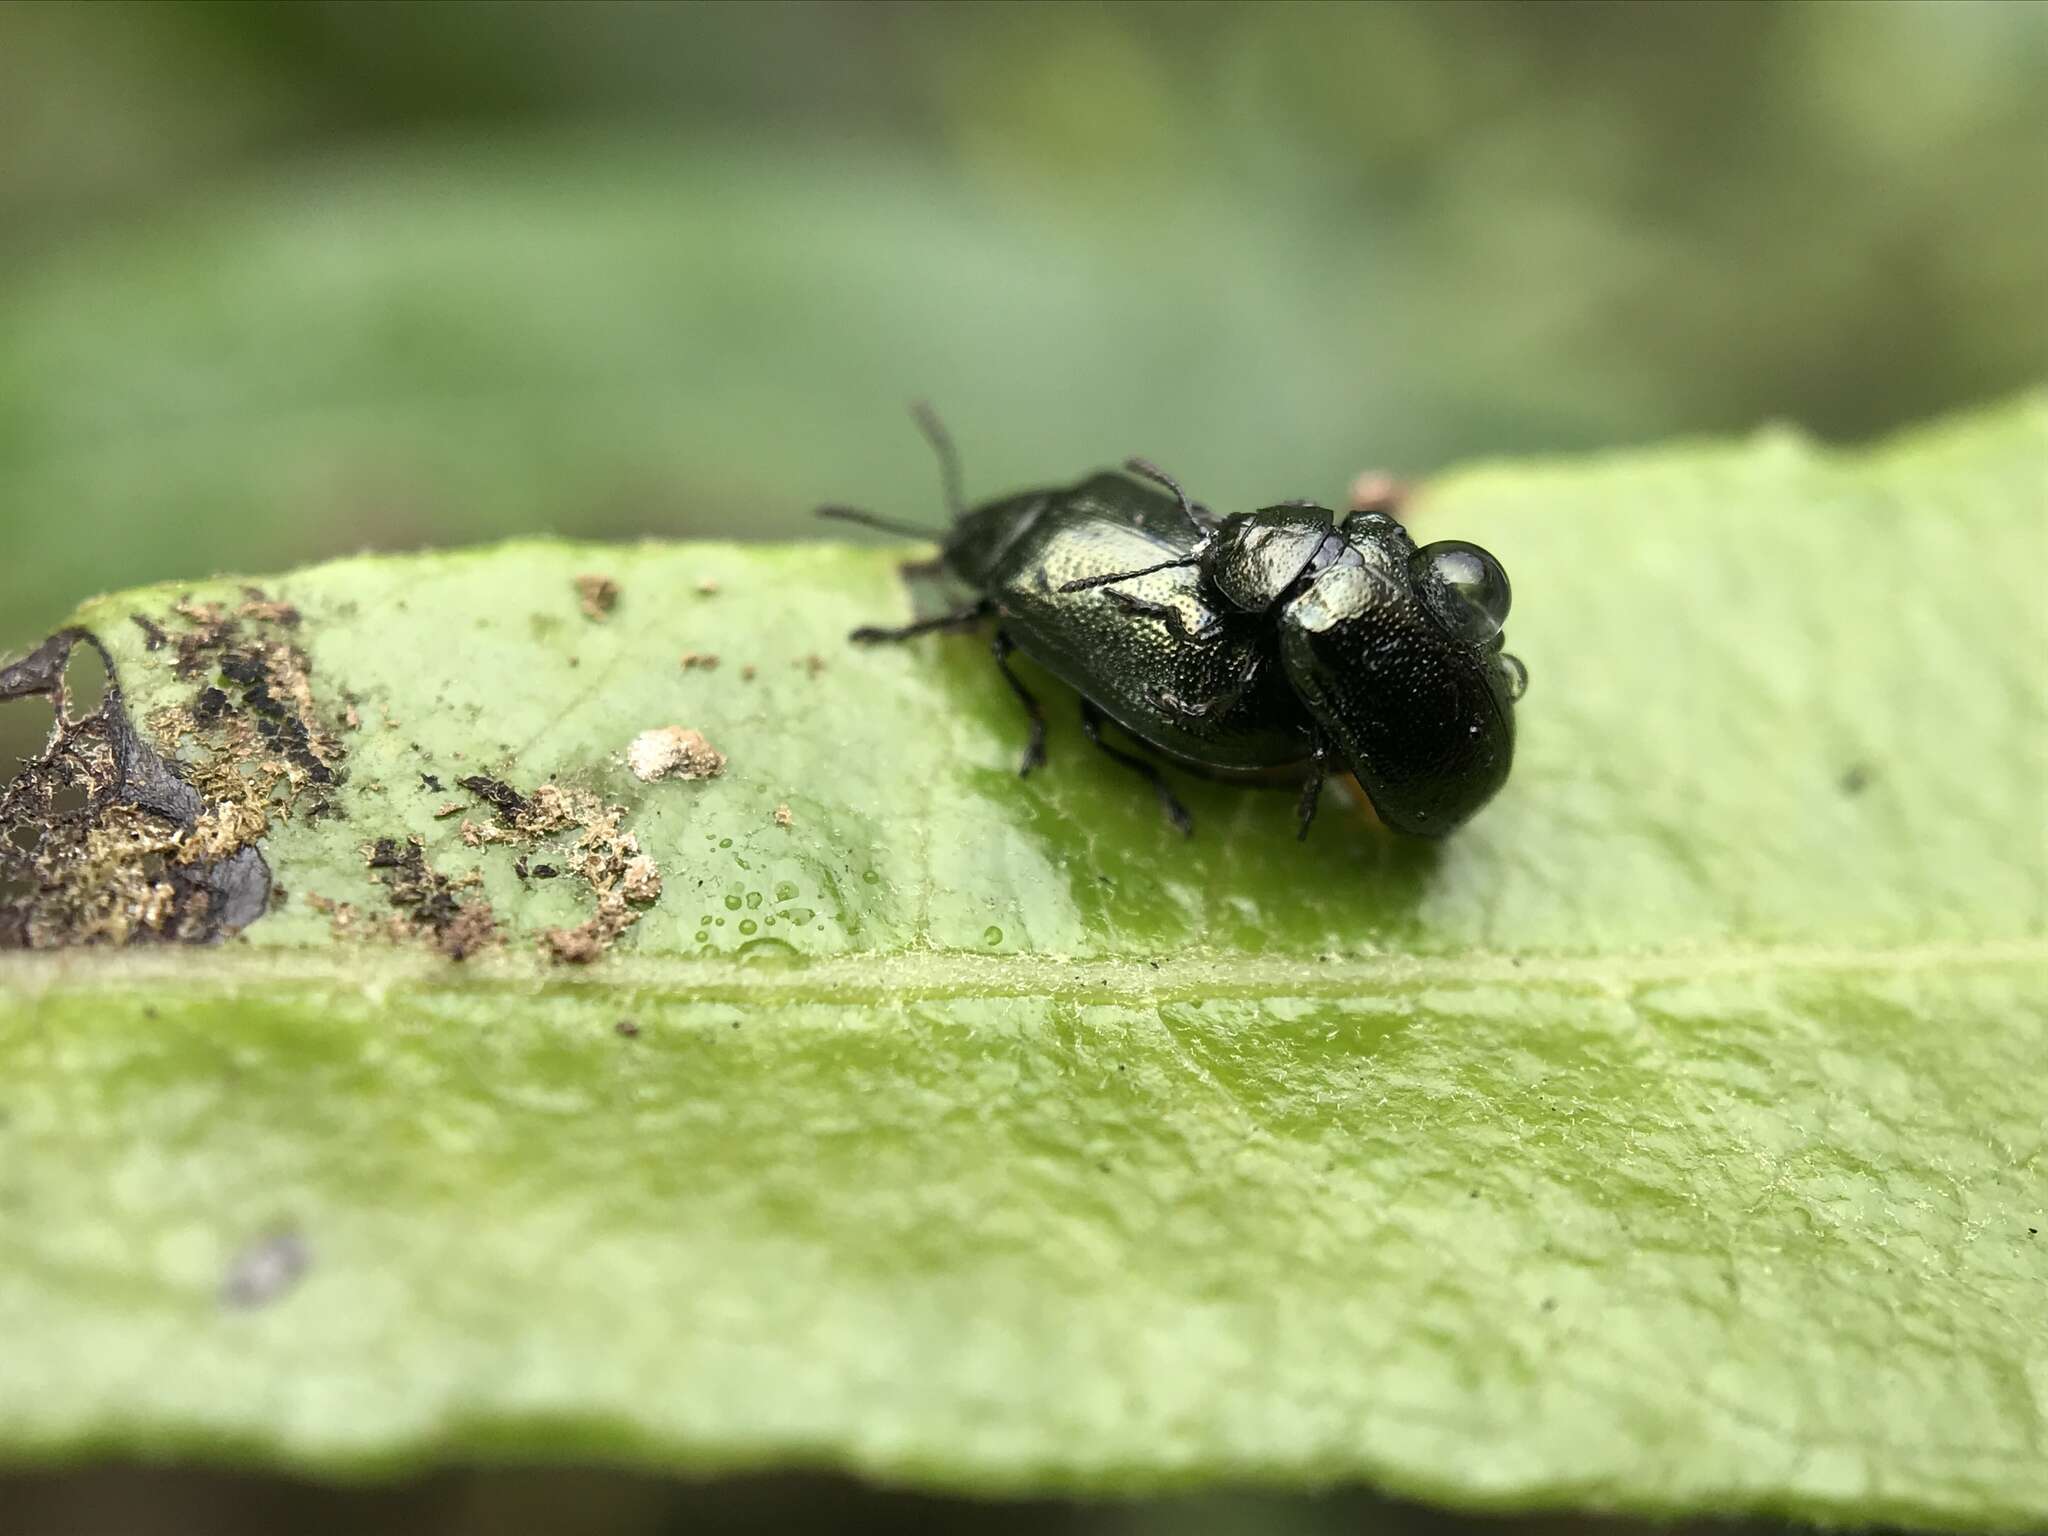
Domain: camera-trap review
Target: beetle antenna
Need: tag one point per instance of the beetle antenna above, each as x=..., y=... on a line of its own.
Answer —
x=1154, y=473
x=1086, y=582
x=935, y=433
x=875, y=520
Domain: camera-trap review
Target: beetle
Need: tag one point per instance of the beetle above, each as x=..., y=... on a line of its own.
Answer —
x=1281, y=639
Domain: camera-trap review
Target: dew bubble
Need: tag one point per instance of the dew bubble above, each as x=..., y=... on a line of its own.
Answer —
x=766, y=951
x=748, y=925
x=1516, y=674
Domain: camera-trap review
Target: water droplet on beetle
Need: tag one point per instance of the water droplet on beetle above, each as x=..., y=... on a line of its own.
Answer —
x=1475, y=596
x=785, y=890
x=1517, y=674
x=732, y=902
x=991, y=934
x=748, y=925
x=870, y=877
x=753, y=898
x=725, y=842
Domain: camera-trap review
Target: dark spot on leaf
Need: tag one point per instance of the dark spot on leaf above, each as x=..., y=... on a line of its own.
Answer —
x=545, y=871
x=431, y=902
x=627, y=1027
x=389, y=853
x=265, y=1271
x=430, y=781
x=496, y=792
x=153, y=636
x=1855, y=779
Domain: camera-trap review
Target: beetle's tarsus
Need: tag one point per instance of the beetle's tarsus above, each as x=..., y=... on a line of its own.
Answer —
x=1305, y=813
x=1034, y=749
x=1169, y=802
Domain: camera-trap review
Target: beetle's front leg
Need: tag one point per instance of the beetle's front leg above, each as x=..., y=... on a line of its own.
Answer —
x=1211, y=702
x=1172, y=618
x=1312, y=789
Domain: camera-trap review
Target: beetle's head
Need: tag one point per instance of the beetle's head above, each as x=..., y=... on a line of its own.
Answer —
x=1396, y=651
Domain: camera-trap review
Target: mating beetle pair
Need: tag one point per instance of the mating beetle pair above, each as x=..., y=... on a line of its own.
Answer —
x=1235, y=645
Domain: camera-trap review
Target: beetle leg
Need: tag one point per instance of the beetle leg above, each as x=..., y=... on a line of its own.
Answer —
x=1218, y=701
x=1034, y=749
x=870, y=634
x=1311, y=793
x=1172, y=618
x=1091, y=722
x=1305, y=812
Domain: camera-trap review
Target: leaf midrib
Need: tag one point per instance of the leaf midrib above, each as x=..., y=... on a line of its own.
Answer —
x=929, y=974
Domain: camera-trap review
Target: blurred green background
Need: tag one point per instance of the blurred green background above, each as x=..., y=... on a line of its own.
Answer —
x=280, y=282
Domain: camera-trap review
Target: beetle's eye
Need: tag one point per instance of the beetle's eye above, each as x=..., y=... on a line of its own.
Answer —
x=1475, y=595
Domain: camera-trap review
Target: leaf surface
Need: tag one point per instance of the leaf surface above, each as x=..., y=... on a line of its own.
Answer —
x=1669, y=1140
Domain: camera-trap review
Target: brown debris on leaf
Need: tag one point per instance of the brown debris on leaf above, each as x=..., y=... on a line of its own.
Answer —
x=428, y=903
x=782, y=816
x=256, y=604
x=694, y=661
x=597, y=595
x=257, y=690
x=603, y=855
x=673, y=752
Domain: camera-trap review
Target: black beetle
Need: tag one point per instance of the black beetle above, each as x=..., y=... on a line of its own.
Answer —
x=1254, y=641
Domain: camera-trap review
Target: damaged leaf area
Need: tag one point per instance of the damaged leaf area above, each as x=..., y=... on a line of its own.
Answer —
x=120, y=835
x=102, y=841
x=737, y=1065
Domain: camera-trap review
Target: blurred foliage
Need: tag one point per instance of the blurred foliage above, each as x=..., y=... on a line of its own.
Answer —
x=716, y=247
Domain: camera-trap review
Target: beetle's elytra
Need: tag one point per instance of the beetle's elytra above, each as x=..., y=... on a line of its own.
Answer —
x=1281, y=638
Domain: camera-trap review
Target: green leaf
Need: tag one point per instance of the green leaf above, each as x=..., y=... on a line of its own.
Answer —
x=1670, y=1140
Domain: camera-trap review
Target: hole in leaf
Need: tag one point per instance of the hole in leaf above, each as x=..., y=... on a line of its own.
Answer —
x=85, y=682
